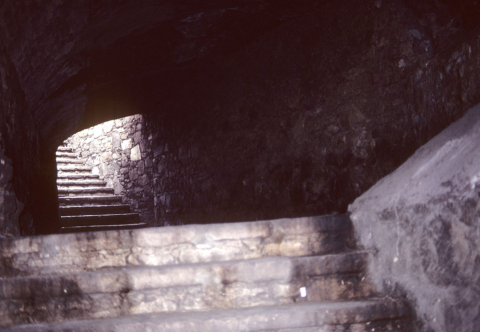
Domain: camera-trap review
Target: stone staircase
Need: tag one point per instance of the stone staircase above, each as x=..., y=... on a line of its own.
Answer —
x=86, y=204
x=286, y=275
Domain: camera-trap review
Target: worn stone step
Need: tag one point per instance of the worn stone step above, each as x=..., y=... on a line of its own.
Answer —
x=402, y=324
x=64, y=149
x=89, y=200
x=73, y=168
x=102, y=219
x=66, y=155
x=69, y=161
x=77, y=176
x=81, y=182
x=97, y=228
x=221, y=275
x=93, y=209
x=55, y=254
x=321, y=317
x=195, y=287
x=80, y=191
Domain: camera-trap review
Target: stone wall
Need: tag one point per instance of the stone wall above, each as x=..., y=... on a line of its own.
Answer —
x=19, y=156
x=311, y=115
x=120, y=153
x=422, y=224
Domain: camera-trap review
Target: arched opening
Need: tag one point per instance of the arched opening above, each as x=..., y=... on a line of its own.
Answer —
x=104, y=177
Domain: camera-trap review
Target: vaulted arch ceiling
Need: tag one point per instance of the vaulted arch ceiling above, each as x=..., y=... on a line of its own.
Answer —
x=116, y=54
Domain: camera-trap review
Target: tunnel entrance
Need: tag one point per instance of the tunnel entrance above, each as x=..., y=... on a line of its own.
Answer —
x=103, y=177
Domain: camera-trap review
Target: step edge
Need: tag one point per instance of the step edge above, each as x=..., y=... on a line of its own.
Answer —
x=398, y=310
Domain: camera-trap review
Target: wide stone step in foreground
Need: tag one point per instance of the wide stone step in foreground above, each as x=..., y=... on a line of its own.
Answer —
x=301, y=274
x=227, y=285
x=355, y=316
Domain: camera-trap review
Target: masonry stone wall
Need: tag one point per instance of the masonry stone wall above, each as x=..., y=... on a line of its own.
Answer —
x=19, y=156
x=303, y=122
x=120, y=153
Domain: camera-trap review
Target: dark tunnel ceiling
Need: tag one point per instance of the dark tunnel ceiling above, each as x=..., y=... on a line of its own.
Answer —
x=130, y=49
x=151, y=61
x=70, y=52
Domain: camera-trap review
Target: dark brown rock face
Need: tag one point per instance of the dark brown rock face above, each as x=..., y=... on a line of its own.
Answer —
x=26, y=187
x=253, y=109
x=312, y=114
x=256, y=109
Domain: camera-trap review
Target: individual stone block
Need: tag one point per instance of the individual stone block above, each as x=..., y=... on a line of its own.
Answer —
x=132, y=174
x=140, y=167
x=137, y=137
x=135, y=153
x=158, y=151
x=144, y=180
x=126, y=144
x=107, y=126
x=116, y=141
x=97, y=131
x=148, y=162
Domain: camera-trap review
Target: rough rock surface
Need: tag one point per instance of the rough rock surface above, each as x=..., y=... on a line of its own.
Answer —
x=20, y=173
x=262, y=108
x=301, y=274
x=313, y=113
x=423, y=220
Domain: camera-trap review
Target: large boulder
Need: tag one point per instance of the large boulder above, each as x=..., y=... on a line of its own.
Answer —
x=422, y=224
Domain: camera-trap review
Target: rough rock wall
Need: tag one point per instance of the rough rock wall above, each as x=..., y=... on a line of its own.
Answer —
x=312, y=114
x=18, y=152
x=423, y=224
x=120, y=153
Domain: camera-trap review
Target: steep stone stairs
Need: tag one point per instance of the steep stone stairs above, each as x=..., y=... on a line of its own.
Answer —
x=286, y=275
x=86, y=204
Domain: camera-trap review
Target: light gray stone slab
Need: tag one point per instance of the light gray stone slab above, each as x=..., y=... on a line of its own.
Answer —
x=135, y=153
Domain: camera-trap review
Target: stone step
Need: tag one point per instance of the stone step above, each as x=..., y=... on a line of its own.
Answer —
x=66, y=155
x=70, y=161
x=195, y=287
x=64, y=149
x=81, y=182
x=56, y=254
x=361, y=316
x=222, y=276
x=74, y=168
x=80, y=191
x=97, y=228
x=77, y=176
x=102, y=219
x=89, y=200
x=93, y=209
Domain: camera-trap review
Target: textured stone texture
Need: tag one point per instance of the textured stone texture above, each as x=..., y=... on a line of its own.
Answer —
x=247, y=276
x=323, y=317
x=261, y=108
x=270, y=105
x=423, y=222
x=19, y=151
x=190, y=244
x=200, y=287
x=313, y=113
x=120, y=153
